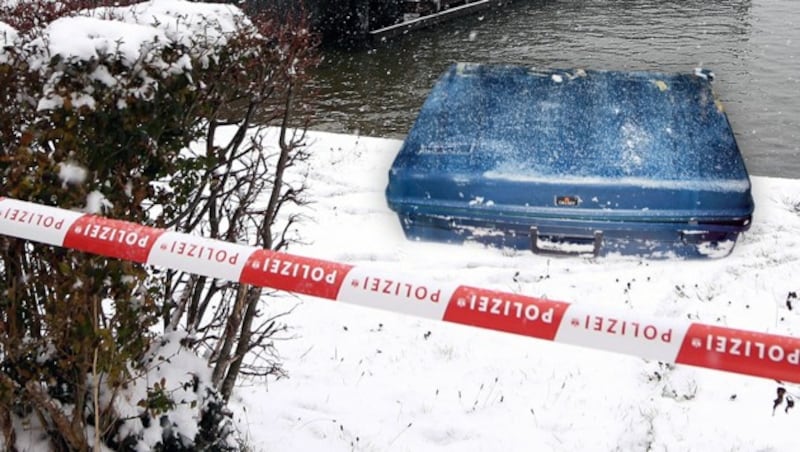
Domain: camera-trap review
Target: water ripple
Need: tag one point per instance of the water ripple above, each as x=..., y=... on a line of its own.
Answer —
x=752, y=45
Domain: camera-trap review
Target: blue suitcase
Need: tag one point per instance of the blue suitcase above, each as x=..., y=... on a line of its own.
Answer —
x=573, y=162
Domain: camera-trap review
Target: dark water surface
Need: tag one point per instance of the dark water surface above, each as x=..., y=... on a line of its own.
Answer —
x=751, y=45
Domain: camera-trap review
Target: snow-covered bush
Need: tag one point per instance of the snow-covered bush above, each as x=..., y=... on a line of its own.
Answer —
x=100, y=107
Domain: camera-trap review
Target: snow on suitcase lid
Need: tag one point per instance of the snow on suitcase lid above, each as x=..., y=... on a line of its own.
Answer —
x=622, y=142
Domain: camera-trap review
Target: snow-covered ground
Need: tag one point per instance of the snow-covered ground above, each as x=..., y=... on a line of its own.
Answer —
x=369, y=380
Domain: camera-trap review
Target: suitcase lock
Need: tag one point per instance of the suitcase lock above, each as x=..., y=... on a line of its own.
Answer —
x=566, y=244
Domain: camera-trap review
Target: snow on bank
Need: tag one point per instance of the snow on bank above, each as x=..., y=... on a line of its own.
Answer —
x=367, y=380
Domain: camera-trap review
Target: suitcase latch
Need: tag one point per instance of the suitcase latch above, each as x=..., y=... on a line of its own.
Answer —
x=566, y=244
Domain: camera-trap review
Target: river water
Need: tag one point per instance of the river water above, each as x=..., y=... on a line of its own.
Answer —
x=751, y=45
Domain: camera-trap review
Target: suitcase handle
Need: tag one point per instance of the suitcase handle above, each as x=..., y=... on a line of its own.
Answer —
x=595, y=241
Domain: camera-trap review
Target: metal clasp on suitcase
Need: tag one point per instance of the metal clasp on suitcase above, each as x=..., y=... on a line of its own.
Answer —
x=566, y=244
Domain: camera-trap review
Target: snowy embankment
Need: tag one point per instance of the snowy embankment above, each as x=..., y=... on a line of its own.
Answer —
x=369, y=380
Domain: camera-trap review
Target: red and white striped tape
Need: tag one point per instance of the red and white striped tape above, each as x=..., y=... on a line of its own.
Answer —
x=709, y=346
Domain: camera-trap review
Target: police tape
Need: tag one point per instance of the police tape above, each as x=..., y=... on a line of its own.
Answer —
x=709, y=346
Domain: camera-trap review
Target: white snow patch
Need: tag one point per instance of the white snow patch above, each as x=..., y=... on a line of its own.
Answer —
x=181, y=371
x=103, y=75
x=704, y=73
x=182, y=20
x=8, y=38
x=50, y=102
x=476, y=201
x=72, y=173
x=82, y=100
x=96, y=203
x=7, y=34
x=87, y=38
x=717, y=250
